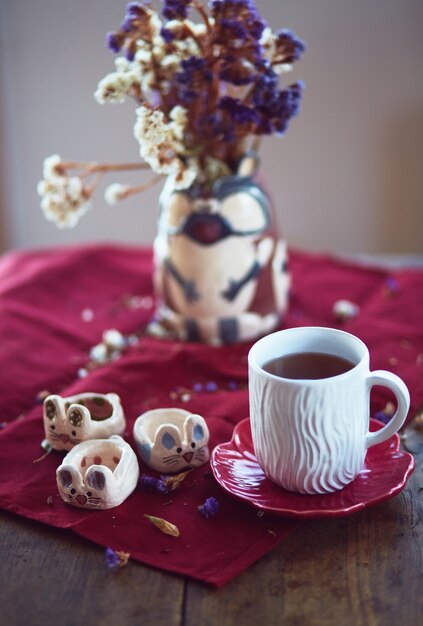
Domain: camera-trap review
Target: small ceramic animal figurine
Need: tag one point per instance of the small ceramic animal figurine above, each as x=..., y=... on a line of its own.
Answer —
x=220, y=270
x=170, y=440
x=98, y=474
x=68, y=421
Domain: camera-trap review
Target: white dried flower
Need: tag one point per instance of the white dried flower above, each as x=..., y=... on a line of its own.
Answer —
x=282, y=68
x=115, y=87
x=115, y=192
x=155, y=24
x=268, y=42
x=114, y=339
x=157, y=142
x=179, y=120
x=64, y=200
x=52, y=167
x=143, y=54
x=344, y=309
x=187, y=175
x=122, y=64
x=98, y=353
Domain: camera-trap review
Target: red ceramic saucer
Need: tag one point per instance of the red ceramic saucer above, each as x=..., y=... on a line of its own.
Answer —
x=384, y=474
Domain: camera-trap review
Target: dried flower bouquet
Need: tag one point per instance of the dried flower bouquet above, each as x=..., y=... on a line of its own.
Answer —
x=206, y=90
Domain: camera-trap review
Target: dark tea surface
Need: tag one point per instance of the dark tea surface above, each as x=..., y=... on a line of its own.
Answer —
x=308, y=365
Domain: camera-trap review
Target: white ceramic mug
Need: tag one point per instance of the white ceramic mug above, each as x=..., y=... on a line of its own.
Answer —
x=311, y=436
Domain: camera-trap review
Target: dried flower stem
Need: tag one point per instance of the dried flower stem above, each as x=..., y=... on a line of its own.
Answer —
x=200, y=9
x=91, y=168
x=131, y=191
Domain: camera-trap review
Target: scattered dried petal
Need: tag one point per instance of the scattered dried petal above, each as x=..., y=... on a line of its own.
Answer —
x=87, y=315
x=345, y=310
x=115, y=558
x=42, y=395
x=210, y=508
x=211, y=386
x=391, y=286
x=152, y=484
x=385, y=414
x=173, y=482
x=163, y=525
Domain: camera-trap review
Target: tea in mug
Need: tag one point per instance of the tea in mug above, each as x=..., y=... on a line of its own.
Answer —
x=308, y=365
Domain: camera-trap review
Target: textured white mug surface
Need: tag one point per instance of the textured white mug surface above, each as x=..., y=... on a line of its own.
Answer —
x=311, y=436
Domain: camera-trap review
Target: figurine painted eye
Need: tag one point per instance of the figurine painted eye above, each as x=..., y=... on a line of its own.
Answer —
x=193, y=445
x=198, y=432
x=73, y=491
x=179, y=450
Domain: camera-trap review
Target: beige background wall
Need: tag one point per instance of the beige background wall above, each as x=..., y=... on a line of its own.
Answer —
x=347, y=177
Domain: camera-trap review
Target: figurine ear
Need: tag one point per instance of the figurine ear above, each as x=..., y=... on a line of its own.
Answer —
x=167, y=436
x=96, y=477
x=248, y=165
x=77, y=414
x=54, y=407
x=66, y=475
x=196, y=429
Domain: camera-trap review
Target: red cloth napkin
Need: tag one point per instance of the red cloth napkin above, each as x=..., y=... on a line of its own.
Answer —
x=55, y=305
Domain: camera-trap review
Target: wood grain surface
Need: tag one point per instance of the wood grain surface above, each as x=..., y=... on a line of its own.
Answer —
x=361, y=570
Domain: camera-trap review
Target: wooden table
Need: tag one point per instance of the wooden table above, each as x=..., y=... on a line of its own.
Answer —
x=365, y=569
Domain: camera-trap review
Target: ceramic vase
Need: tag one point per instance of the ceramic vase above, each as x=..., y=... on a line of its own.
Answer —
x=220, y=269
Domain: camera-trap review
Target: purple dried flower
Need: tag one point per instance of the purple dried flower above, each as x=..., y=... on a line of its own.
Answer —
x=391, y=285
x=135, y=9
x=151, y=484
x=234, y=71
x=116, y=558
x=210, y=508
x=385, y=415
x=240, y=113
x=191, y=79
x=167, y=34
x=211, y=386
x=241, y=11
x=197, y=387
x=114, y=41
x=235, y=29
x=288, y=46
x=176, y=9
x=127, y=24
x=280, y=108
x=112, y=559
x=265, y=89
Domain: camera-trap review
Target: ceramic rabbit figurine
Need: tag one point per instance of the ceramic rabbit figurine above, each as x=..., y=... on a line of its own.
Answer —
x=170, y=440
x=68, y=421
x=98, y=474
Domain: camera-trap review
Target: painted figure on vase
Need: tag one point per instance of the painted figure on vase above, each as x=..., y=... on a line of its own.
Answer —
x=220, y=270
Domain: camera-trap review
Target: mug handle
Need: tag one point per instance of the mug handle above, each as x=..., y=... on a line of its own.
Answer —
x=399, y=389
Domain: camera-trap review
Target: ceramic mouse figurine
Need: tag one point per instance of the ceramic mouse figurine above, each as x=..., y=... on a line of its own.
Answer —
x=98, y=474
x=220, y=270
x=68, y=421
x=170, y=440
